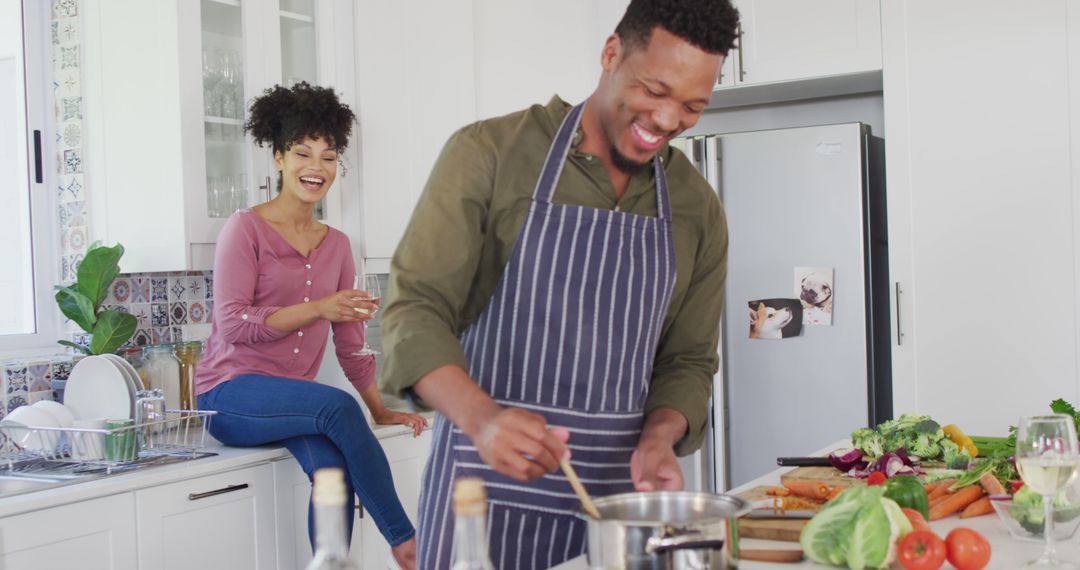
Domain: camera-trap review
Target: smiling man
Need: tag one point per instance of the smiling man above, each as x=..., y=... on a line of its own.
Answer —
x=558, y=292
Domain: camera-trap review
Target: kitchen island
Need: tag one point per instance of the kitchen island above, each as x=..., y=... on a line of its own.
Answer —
x=1008, y=553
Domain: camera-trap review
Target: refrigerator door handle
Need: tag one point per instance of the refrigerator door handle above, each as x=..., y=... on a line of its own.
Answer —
x=899, y=327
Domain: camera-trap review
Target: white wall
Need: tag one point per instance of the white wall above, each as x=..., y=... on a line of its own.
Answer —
x=864, y=108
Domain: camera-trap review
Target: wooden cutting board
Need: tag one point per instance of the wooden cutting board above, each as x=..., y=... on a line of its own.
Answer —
x=829, y=475
x=787, y=530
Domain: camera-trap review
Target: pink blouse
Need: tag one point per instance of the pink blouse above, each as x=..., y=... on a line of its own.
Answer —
x=257, y=272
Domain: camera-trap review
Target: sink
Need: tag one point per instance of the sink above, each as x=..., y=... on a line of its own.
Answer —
x=19, y=484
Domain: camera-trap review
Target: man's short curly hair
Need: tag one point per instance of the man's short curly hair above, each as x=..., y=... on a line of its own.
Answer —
x=282, y=117
x=707, y=24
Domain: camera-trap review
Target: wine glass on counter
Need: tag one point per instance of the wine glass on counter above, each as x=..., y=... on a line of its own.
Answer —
x=1048, y=459
x=371, y=285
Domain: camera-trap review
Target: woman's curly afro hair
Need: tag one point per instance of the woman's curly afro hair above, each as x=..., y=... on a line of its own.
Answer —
x=282, y=117
x=708, y=24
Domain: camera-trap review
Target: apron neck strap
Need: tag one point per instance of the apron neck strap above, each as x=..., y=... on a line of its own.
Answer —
x=556, y=159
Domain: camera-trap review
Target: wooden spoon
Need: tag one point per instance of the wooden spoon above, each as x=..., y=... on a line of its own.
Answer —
x=583, y=495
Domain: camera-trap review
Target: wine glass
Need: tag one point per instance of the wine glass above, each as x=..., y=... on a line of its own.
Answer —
x=371, y=285
x=1048, y=459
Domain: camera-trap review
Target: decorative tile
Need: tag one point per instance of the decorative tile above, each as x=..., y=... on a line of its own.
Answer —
x=140, y=290
x=61, y=368
x=209, y=311
x=81, y=339
x=68, y=59
x=73, y=240
x=159, y=289
x=196, y=288
x=120, y=291
x=141, y=311
x=177, y=288
x=197, y=313
x=39, y=376
x=178, y=313
x=70, y=188
x=70, y=107
x=15, y=401
x=67, y=83
x=67, y=32
x=209, y=286
x=15, y=378
x=55, y=26
x=65, y=8
x=142, y=337
x=72, y=161
x=71, y=134
x=178, y=334
x=159, y=315
x=161, y=335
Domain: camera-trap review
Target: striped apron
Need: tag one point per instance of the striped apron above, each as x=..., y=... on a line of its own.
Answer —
x=570, y=333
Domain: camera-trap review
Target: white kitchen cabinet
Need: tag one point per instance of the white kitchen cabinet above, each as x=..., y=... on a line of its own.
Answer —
x=407, y=456
x=98, y=534
x=368, y=547
x=224, y=520
x=166, y=90
x=982, y=205
x=785, y=40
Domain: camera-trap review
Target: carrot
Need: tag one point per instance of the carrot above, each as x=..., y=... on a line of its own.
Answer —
x=930, y=487
x=956, y=502
x=835, y=492
x=978, y=508
x=992, y=485
x=808, y=488
x=937, y=500
x=916, y=518
x=778, y=491
x=942, y=488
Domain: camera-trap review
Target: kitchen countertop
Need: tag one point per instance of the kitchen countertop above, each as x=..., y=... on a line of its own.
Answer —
x=1008, y=553
x=227, y=459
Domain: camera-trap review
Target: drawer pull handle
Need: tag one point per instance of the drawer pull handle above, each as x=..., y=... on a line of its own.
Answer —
x=229, y=489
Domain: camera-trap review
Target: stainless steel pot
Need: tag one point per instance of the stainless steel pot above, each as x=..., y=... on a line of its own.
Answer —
x=665, y=530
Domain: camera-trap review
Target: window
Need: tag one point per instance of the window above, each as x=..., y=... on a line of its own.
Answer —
x=28, y=317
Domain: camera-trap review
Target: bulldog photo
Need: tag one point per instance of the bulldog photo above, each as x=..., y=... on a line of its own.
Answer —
x=814, y=286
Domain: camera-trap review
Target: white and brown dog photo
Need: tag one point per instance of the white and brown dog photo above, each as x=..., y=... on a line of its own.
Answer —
x=814, y=287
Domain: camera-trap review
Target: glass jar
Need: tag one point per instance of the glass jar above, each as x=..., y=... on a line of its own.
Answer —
x=188, y=353
x=134, y=355
x=164, y=373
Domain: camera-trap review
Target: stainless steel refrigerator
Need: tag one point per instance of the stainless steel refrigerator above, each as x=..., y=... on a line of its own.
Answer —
x=798, y=198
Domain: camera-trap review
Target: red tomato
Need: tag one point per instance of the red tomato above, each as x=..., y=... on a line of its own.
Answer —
x=968, y=550
x=921, y=550
x=876, y=478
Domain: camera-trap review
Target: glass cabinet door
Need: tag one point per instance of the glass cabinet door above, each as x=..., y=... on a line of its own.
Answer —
x=299, y=51
x=228, y=179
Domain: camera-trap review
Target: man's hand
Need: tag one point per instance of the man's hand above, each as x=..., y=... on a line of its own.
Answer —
x=653, y=466
x=519, y=444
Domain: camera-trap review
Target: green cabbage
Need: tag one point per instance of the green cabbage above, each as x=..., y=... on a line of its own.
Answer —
x=859, y=528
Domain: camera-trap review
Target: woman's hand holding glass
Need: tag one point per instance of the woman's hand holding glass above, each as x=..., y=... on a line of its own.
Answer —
x=348, y=305
x=390, y=417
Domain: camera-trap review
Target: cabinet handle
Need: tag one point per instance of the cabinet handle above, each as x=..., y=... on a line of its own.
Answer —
x=38, y=177
x=899, y=328
x=229, y=489
x=266, y=187
x=742, y=69
x=360, y=509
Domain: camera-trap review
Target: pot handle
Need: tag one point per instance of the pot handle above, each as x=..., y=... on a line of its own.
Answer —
x=656, y=545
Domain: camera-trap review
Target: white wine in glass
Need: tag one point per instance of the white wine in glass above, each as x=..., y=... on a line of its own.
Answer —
x=1048, y=459
x=371, y=285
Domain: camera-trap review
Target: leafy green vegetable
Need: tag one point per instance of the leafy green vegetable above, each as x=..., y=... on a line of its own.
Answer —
x=935, y=475
x=972, y=476
x=869, y=441
x=919, y=435
x=955, y=458
x=1027, y=509
x=859, y=528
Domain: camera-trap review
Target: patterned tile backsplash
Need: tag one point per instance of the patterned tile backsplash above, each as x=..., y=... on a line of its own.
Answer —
x=170, y=307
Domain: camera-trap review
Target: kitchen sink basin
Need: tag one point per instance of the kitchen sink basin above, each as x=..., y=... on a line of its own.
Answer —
x=17, y=478
x=19, y=484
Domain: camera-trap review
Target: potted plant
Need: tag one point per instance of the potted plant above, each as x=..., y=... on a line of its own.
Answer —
x=81, y=302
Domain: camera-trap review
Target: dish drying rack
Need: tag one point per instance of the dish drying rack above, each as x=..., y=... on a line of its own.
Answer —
x=180, y=435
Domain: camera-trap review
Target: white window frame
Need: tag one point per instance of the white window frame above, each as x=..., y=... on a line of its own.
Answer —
x=37, y=65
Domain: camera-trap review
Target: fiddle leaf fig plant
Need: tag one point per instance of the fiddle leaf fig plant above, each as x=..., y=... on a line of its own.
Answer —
x=81, y=302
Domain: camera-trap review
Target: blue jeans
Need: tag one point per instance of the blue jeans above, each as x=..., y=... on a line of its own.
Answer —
x=321, y=426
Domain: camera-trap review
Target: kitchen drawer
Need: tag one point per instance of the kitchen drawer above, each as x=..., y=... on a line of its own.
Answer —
x=218, y=521
x=98, y=534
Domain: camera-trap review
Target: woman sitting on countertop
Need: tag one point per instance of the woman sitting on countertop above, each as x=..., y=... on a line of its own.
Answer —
x=281, y=280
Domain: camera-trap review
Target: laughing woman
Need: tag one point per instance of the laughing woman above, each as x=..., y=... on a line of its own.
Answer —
x=282, y=279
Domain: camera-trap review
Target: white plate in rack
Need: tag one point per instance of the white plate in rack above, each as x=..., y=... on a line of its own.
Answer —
x=128, y=370
x=97, y=388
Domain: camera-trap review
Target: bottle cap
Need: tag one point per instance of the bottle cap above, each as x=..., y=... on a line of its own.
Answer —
x=470, y=498
x=329, y=486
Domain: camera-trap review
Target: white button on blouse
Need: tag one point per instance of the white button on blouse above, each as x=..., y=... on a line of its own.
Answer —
x=244, y=316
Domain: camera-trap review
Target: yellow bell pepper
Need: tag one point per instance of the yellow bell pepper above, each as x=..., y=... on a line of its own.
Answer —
x=954, y=433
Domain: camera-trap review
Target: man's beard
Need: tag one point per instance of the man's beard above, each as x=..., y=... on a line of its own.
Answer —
x=626, y=165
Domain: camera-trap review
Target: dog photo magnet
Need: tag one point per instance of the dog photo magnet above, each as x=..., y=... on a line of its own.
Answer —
x=775, y=318
x=814, y=287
